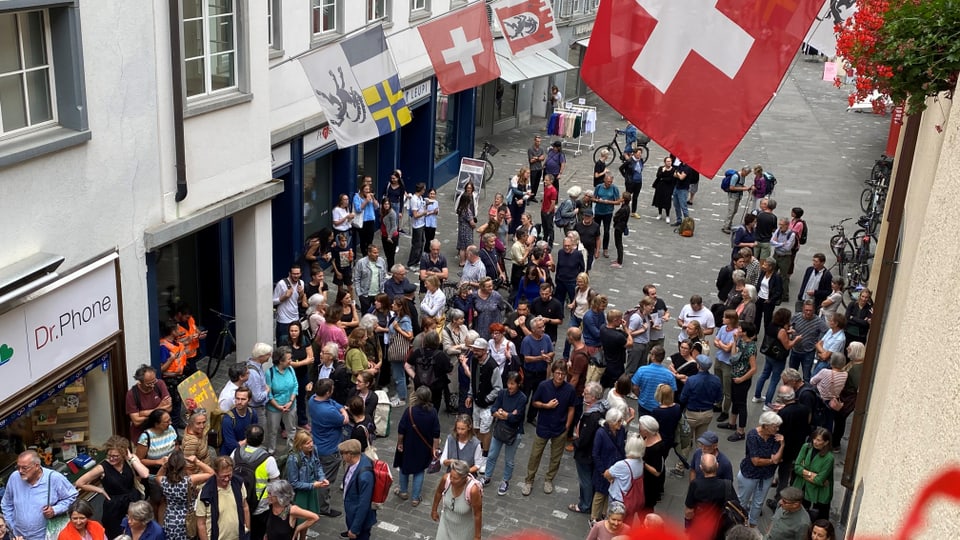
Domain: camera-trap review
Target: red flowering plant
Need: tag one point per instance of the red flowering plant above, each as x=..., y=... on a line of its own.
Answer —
x=905, y=49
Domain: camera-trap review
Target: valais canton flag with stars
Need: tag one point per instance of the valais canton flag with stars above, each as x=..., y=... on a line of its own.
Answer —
x=358, y=88
x=527, y=25
x=460, y=46
x=694, y=74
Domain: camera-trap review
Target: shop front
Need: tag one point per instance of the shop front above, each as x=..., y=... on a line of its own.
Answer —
x=63, y=376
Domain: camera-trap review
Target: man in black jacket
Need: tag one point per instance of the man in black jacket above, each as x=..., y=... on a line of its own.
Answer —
x=594, y=410
x=725, y=277
x=816, y=282
x=485, y=384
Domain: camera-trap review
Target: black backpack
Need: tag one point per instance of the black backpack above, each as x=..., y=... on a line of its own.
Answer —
x=245, y=467
x=803, y=233
x=423, y=366
x=820, y=410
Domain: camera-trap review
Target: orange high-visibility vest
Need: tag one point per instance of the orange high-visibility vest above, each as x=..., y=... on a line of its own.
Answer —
x=179, y=358
x=189, y=338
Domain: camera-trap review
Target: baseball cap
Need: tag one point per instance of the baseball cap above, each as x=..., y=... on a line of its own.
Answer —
x=556, y=144
x=479, y=343
x=708, y=438
x=704, y=361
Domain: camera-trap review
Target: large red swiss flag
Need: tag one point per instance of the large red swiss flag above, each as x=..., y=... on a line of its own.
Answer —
x=694, y=74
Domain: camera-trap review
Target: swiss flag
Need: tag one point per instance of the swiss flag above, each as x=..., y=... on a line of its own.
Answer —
x=694, y=75
x=461, y=48
x=527, y=25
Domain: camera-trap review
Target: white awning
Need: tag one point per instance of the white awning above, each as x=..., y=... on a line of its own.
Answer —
x=585, y=42
x=541, y=64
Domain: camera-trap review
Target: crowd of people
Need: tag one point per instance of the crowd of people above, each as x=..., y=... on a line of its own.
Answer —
x=617, y=394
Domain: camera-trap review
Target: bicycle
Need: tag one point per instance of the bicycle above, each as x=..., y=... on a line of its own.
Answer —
x=874, y=195
x=841, y=246
x=613, y=148
x=225, y=345
x=488, y=150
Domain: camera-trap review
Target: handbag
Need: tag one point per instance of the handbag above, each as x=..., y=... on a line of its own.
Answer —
x=684, y=433
x=399, y=349
x=357, y=220
x=434, y=466
x=57, y=523
x=504, y=432
x=773, y=348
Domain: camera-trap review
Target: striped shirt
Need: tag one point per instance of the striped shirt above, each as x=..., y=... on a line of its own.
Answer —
x=811, y=330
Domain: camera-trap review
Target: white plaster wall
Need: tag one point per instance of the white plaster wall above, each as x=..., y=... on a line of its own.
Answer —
x=913, y=413
x=101, y=195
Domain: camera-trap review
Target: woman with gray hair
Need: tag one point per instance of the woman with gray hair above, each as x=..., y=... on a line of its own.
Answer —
x=747, y=310
x=654, y=462
x=594, y=410
x=453, y=337
x=830, y=383
x=764, y=451
x=139, y=523
x=613, y=526
x=461, y=498
x=624, y=473
x=286, y=520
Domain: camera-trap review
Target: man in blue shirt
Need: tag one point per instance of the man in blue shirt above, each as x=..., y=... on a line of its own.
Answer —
x=709, y=442
x=699, y=394
x=555, y=399
x=537, y=351
x=648, y=378
x=34, y=495
x=233, y=425
x=327, y=418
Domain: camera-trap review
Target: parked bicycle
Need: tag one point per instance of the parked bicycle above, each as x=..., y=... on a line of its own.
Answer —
x=614, y=150
x=224, y=347
x=874, y=196
x=854, y=257
x=488, y=150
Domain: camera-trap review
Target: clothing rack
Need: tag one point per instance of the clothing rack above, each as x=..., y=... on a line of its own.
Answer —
x=585, y=112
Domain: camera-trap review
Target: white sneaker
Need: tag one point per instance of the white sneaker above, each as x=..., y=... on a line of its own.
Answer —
x=756, y=400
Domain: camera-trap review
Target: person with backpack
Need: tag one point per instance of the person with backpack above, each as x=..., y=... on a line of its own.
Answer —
x=626, y=479
x=327, y=418
x=359, y=483
x=256, y=468
x=681, y=191
x=760, y=188
x=234, y=423
x=458, y=504
x=147, y=394
x=799, y=228
x=782, y=242
x=733, y=184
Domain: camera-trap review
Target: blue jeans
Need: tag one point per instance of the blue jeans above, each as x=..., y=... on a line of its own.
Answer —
x=400, y=378
x=820, y=365
x=574, y=322
x=417, y=484
x=752, y=493
x=508, y=457
x=804, y=359
x=772, y=368
x=680, y=203
x=585, y=479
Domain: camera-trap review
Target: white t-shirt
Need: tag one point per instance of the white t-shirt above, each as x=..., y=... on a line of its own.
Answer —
x=338, y=214
x=703, y=316
x=227, y=396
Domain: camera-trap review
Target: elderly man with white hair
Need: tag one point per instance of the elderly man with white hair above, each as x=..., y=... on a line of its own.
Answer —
x=764, y=451
x=256, y=381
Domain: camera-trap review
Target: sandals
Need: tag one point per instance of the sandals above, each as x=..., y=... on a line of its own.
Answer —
x=575, y=508
x=416, y=502
x=402, y=494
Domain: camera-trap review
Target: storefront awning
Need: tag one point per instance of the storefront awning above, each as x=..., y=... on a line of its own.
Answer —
x=541, y=64
x=585, y=42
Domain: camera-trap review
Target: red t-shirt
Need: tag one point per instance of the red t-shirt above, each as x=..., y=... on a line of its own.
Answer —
x=149, y=400
x=579, y=361
x=549, y=199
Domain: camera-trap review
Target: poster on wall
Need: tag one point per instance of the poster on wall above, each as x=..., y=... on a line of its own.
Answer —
x=471, y=170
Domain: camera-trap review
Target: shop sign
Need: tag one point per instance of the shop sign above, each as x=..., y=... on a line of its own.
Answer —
x=582, y=29
x=317, y=139
x=39, y=337
x=417, y=92
x=280, y=156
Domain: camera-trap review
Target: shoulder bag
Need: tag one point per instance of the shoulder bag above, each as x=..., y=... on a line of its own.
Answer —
x=773, y=348
x=434, y=466
x=57, y=523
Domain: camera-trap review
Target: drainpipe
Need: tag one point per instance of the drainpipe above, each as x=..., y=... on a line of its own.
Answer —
x=176, y=80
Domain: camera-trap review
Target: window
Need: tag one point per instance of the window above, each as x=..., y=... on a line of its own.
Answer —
x=378, y=10
x=578, y=6
x=274, y=28
x=42, y=94
x=209, y=46
x=446, y=141
x=326, y=16
x=419, y=5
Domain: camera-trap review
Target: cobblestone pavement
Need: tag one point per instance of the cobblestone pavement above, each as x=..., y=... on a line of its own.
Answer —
x=820, y=155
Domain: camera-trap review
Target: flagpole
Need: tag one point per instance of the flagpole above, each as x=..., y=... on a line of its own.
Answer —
x=367, y=27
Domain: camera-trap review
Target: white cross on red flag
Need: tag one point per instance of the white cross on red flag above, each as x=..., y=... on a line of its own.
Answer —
x=460, y=47
x=527, y=25
x=694, y=75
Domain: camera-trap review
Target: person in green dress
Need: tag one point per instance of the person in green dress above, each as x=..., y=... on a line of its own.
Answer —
x=813, y=473
x=305, y=473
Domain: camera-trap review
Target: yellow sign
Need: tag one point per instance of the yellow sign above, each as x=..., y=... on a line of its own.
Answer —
x=197, y=387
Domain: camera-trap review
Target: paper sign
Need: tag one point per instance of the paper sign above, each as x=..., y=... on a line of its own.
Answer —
x=197, y=387
x=829, y=71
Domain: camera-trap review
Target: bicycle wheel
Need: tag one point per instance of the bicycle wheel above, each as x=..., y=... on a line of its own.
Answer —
x=841, y=248
x=859, y=243
x=487, y=172
x=866, y=200
x=611, y=155
x=644, y=152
